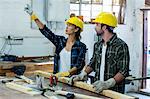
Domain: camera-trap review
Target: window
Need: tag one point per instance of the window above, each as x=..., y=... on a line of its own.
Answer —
x=89, y=9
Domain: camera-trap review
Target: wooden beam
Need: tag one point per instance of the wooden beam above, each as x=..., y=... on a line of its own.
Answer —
x=89, y=87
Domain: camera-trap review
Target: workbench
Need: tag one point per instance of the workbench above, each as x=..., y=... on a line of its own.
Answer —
x=79, y=88
x=6, y=93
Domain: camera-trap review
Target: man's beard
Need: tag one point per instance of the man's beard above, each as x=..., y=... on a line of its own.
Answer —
x=99, y=33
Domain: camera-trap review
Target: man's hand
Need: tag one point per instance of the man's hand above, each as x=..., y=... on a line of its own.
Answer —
x=81, y=76
x=28, y=9
x=63, y=74
x=99, y=86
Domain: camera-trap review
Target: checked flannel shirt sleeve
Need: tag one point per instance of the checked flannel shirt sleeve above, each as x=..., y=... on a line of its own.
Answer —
x=81, y=58
x=124, y=59
x=55, y=39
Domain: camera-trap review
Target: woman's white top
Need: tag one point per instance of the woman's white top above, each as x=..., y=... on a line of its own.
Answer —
x=65, y=60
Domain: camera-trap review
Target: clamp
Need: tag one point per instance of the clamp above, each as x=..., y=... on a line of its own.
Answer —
x=53, y=80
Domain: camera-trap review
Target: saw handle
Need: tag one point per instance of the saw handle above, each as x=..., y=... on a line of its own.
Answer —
x=53, y=80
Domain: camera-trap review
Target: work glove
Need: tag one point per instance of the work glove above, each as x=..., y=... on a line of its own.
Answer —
x=29, y=10
x=99, y=86
x=40, y=82
x=82, y=76
x=62, y=74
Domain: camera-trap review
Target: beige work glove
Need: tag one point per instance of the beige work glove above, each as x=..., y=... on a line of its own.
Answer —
x=62, y=74
x=82, y=76
x=29, y=10
x=99, y=86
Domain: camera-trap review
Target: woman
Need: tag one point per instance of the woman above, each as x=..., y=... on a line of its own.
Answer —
x=69, y=56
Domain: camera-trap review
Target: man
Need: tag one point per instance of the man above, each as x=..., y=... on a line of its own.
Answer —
x=110, y=58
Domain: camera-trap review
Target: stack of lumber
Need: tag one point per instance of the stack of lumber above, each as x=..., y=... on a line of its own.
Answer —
x=5, y=67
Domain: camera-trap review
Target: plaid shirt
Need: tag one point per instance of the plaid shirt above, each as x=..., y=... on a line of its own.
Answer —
x=77, y=52
x=116, y=60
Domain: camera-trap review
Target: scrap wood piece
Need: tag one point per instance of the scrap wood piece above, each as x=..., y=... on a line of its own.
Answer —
x=77, y=95
x=22, y=88
x=89, y=87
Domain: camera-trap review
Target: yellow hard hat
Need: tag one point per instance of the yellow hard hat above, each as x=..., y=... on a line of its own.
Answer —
x=106, y=18
x=75, y=21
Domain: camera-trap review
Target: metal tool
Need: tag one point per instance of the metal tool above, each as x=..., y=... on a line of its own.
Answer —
x=130, y=79
x=53, y=80
x=19, y=71
x=6, y=81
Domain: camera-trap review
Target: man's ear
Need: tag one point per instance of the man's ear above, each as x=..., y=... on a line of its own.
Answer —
x=104, y=27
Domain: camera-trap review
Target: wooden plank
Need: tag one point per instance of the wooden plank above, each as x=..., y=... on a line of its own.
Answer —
x=89, y=87
x=22, y=88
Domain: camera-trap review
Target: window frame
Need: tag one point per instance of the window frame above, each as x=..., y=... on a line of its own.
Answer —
x=120, y=14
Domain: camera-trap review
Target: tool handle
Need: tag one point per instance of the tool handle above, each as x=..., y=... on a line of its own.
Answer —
x=55, y=80
x=51, y=80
